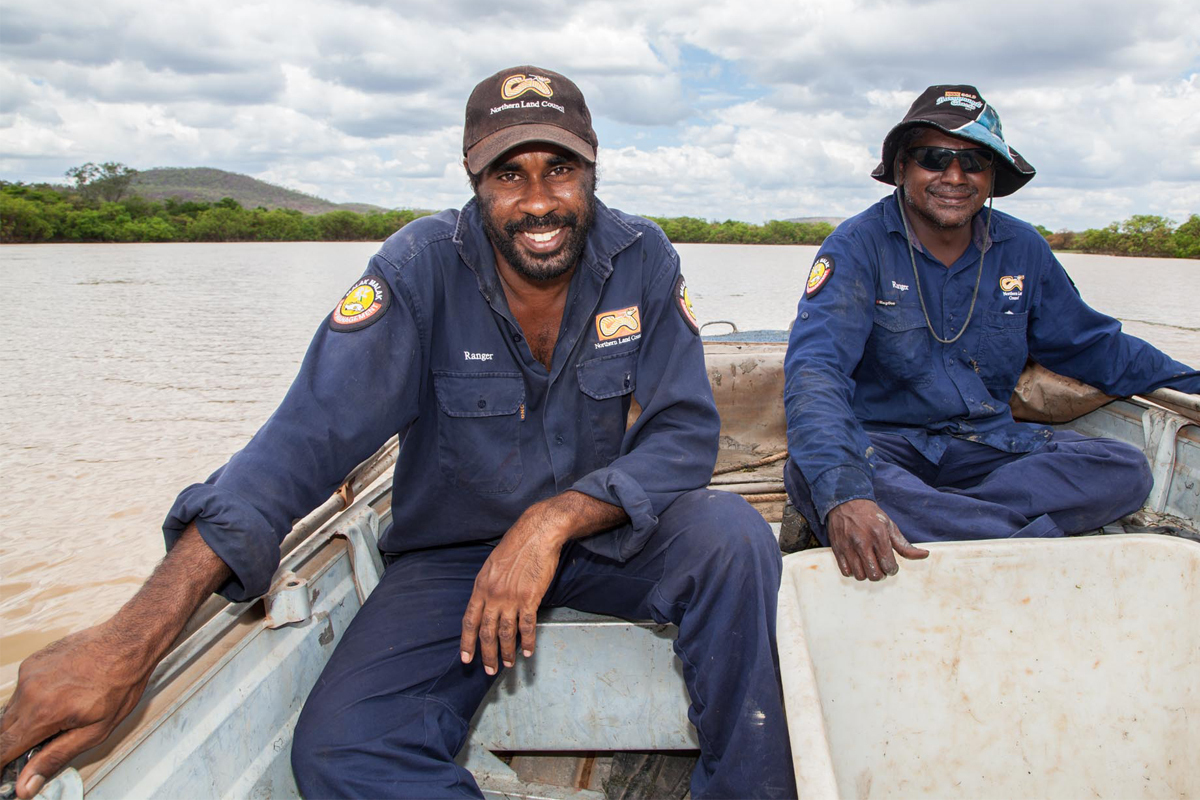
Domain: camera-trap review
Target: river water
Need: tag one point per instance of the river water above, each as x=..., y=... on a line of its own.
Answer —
x=130, y=371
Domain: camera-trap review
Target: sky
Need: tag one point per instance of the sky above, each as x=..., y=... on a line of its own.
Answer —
x=720, y=110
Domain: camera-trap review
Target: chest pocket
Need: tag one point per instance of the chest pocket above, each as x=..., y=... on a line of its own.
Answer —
x=899, y=351
x=479, y=432
x=1002, y=351
x=607, y=382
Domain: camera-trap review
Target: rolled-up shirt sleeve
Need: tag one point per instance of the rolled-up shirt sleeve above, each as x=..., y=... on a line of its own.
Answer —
x=672, y=446
x=1070, y=337
x=825, y=440
x=355, y=389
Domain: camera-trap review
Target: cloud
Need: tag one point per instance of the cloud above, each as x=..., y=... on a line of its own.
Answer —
x=704, y=109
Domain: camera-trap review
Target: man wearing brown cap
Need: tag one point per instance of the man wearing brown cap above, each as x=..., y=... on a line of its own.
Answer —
x=506, y=343
x=917, y=319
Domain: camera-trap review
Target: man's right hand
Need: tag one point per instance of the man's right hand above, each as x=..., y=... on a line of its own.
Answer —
x=863, y=538
x=78, y=689
x=75, y=690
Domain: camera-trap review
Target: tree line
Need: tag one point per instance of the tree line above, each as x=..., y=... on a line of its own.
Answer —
x=1140, y=235
x=100, y=208
x=46, y=213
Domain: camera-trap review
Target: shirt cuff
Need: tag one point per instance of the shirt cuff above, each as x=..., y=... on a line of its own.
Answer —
x=618, y=488
x=839, y=485
x=234, y=530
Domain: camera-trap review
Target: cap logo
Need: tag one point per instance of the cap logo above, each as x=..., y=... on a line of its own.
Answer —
x=516, y=85
x=960, y=99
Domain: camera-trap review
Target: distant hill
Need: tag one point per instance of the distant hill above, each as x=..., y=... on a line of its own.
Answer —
x=834, y=221
x=204, y=184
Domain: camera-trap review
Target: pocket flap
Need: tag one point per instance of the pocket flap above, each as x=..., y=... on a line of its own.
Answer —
x=479, y=394
x=1001, y=320
x=899, y=318
x=608, y=376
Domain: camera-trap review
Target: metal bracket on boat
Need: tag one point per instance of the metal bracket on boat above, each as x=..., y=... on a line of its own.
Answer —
x=733, y=328
x=362, y=533
x=1160, y=429
x=288, y=601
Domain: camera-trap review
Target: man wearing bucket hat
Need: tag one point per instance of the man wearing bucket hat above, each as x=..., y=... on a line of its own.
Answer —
x=506, y=344
x=916, y=320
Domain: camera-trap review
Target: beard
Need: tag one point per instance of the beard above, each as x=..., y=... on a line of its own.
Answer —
x=941, y=218
x=535, y=266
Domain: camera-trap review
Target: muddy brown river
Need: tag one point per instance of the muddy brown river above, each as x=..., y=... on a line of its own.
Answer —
x=130, y=371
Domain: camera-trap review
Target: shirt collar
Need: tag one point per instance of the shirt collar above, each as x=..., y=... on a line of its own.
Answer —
x=1001, y=230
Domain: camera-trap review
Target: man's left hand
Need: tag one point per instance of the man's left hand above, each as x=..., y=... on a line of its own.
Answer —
x=509, y=589
x=514, y=579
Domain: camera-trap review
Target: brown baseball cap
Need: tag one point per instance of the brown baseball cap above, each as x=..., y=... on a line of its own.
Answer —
x=525, y=104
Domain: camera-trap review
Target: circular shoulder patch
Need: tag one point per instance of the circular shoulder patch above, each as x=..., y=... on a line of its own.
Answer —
x=363, y=305
x=683, y=302
x=819, y=275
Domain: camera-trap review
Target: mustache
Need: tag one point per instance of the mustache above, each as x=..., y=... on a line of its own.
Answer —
x=530, y=223
x=965, y=192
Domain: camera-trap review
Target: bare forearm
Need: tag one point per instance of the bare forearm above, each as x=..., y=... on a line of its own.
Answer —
x=153, y=618
x=74, y=692
x=573, y=515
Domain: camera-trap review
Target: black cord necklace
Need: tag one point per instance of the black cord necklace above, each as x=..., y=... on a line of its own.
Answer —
x=987, y=237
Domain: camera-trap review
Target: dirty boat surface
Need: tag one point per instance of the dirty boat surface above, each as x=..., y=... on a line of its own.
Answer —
x=1009, y=668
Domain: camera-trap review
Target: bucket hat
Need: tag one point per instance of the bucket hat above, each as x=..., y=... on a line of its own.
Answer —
x=959, y=111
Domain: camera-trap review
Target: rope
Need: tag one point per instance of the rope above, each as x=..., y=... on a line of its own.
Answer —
x=917, y=277
x=762, y=462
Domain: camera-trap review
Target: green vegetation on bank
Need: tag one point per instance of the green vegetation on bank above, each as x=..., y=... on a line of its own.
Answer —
x=689, y=230
x=47, y=213
x=1140, y=235
x=105, y=205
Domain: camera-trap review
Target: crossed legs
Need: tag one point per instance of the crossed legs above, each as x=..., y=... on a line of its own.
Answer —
x=1072, y=484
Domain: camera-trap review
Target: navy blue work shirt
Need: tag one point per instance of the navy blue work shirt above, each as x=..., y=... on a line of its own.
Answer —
x=486, y=430
x=861, y=358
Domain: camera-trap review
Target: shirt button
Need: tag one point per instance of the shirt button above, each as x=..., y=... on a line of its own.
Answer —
x=482, y=403
x=559, y=440
x=803, y=315
x=628, y=379
x=516, y=337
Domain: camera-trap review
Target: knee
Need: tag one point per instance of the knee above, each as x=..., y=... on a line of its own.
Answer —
x=1117, y=474
x=1132, y=476
x=726, y=533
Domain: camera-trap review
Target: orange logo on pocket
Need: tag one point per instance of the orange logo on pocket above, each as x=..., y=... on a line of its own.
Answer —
x=612, y=324
x=1012, y=283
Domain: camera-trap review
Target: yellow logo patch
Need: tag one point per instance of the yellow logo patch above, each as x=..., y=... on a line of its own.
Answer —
x=364, y=304
x=1012, y=283
x=357, y=302
x=683, y=301
x=819, y=275
x=625, y=322
x=516, y=85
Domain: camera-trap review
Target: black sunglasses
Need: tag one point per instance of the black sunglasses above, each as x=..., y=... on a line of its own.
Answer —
x=937, y=159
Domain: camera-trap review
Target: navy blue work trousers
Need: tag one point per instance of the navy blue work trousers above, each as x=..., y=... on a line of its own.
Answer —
x=390, y=711
x=1072, y=484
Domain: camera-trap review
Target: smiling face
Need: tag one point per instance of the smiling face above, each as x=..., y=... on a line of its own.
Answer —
x=538, y=202
x=944, y=200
